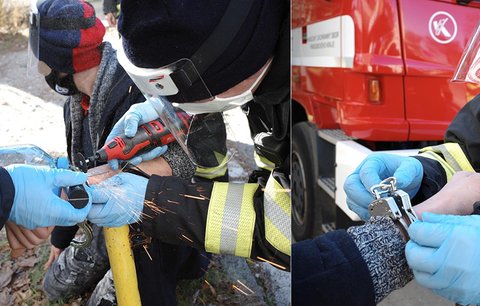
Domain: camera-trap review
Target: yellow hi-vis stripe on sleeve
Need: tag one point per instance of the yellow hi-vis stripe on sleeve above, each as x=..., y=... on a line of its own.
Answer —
x=453, y=158
x=277, y=205
x=263, y=162
x=231, y=219
x=213, y=172
x=448, y=169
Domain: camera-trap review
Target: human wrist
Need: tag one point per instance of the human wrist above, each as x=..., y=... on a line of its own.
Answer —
x=441, y=204
x=382, y=246
x=179, y=161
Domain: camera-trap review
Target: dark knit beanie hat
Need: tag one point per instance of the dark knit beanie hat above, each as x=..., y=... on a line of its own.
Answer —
x=69, y=35
x=157, y=33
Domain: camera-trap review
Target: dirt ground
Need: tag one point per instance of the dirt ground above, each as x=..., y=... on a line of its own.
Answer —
x=31, y=113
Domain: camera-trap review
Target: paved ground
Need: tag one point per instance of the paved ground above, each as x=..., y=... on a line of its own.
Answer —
x=414, y=295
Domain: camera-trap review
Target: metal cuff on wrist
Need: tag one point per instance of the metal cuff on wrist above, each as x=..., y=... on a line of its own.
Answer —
x=392, y=203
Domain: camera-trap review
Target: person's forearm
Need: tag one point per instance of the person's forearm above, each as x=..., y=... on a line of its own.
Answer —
x=62, y=236
x=179, y=212
x=434, y=178
x=455, y=198
x=175, y=210
x=382, y=244
x=179, y=162
x=329, y=270
x=440, y=204
x=383, y=248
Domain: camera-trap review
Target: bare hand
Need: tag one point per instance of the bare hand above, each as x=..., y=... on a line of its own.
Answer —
x=112, y=21
x=456, y=197
x=54, y=253
x=21, y=239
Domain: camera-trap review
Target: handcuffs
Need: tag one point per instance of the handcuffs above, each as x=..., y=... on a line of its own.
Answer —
x=392, y=203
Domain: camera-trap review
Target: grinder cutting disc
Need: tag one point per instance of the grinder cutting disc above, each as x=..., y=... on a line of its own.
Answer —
x=82, y=162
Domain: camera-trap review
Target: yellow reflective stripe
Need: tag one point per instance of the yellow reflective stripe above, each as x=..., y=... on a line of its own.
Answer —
x=246, y=226
x=231, y=219
x=263, y=162
x=211, y=173
x=277, y=205
x=214, y=217
x=448, y=169
x=455, y=151
x=453, y=155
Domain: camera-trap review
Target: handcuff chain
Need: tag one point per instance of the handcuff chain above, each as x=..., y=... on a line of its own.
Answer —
x=387, y=186
x=385, y=193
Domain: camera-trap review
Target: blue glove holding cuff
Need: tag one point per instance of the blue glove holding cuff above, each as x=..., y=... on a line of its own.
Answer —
x=37, y=202
x=62, y=162
x=376, y=167
x=137, y=114
x=118, y=200
x=444, y=254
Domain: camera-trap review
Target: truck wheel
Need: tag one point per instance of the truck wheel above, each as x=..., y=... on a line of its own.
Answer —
x=303, y=181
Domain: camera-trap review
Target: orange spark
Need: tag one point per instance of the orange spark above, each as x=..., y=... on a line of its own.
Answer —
x=202, y=198
x=187, y=238
x=146, y=250
x=235, y=287
x=126, y=164
x=245, y=286
x=272, y=263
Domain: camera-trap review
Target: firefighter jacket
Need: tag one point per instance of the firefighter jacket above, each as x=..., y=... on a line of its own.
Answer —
x=7, y=194
x=460, y=152
x=243, y=219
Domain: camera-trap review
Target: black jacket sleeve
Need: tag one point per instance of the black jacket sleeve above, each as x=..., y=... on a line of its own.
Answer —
x=434, y=178
x=465, y=130
x=7, y=195
x=329, y=270
x=62, y=236
x=176, y=210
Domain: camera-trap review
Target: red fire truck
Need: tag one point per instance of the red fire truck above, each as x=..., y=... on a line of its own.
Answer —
x=368, y=75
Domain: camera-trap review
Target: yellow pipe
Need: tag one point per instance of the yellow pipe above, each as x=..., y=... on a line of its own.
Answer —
x=122, y=265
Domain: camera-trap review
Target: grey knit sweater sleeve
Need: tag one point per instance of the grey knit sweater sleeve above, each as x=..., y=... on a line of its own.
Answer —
x=383, y=249
x=178, y=160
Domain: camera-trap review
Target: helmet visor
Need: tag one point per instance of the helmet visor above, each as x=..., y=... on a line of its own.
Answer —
x=33, y=39
x=468, y=69
x=202, y=136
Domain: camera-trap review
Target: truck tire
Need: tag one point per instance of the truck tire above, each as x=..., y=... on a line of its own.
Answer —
x=303, y=181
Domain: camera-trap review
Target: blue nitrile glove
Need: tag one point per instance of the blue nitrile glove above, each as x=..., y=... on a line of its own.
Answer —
x=37, y=202
x=62, y=162
x=444, y=254
x=137, y=114
x=376, y=167
x=118, y=200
